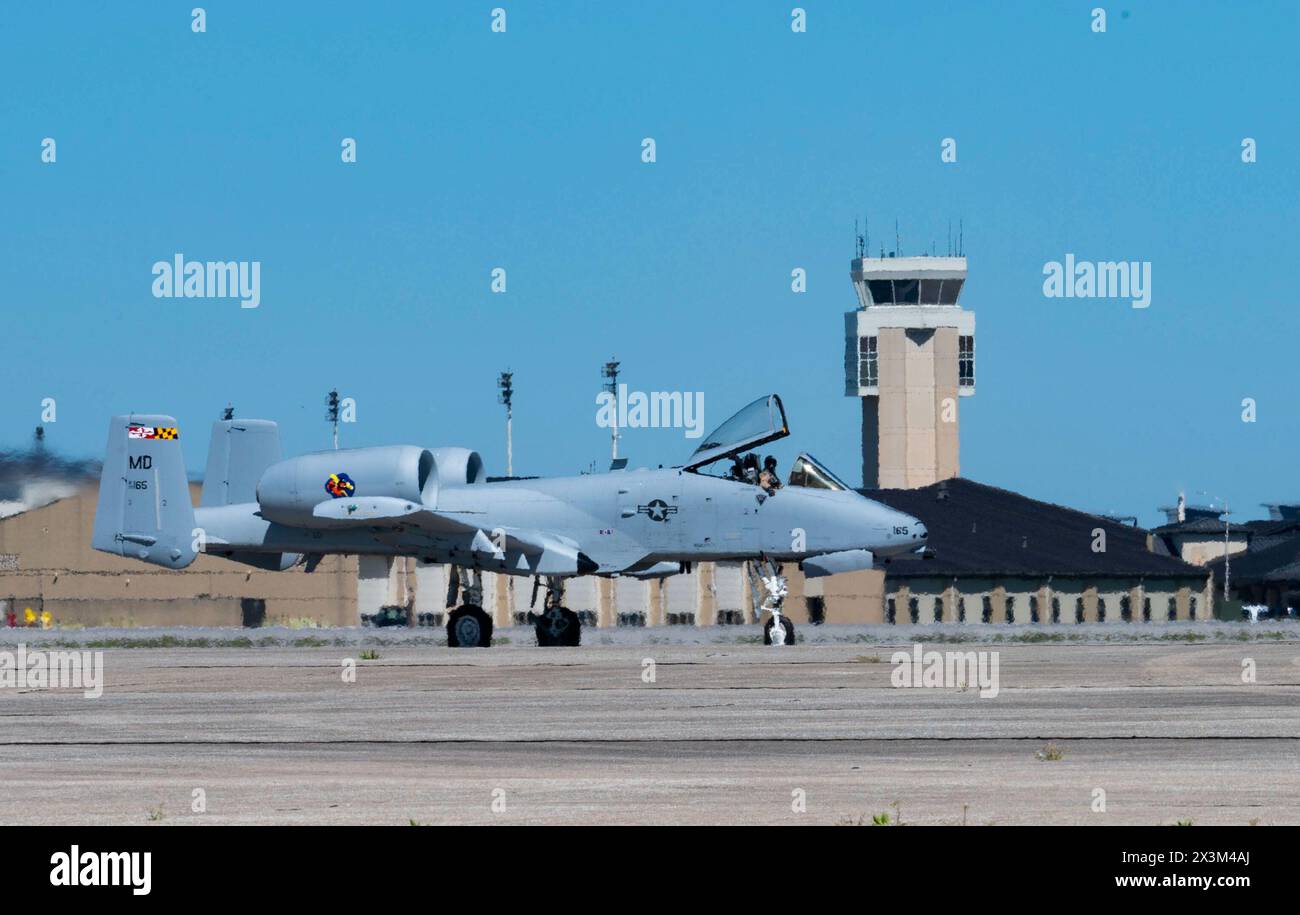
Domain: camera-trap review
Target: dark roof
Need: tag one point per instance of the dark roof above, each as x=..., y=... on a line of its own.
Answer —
x=1271, y=527
x=976, y=529
x=1280, y=562
x=1199, y=526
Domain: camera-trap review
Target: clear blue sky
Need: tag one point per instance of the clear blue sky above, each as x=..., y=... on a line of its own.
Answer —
x=522, y=150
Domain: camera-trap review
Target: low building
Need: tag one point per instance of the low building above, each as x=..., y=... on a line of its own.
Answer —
x=48, y=565
x=1269, y=576
x=1003, y=557
x=1201, y=540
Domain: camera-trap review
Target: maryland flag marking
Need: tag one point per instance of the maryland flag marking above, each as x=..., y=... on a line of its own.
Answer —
x=340, y=485
x=165, y=432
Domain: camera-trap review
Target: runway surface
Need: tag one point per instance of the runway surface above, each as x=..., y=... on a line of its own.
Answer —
x=723, y=732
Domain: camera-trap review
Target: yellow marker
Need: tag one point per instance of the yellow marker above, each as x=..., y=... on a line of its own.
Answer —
x=29, y=616
x=46, y=619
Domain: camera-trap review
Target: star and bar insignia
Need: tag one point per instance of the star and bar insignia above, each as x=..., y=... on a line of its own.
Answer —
x=657, y=510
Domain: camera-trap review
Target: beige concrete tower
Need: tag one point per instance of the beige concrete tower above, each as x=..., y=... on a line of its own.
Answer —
x=910, y=357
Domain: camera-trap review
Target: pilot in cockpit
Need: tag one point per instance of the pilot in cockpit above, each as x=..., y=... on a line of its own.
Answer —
x=769, y=479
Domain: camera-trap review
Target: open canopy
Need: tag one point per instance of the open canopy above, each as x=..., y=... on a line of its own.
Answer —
x=760, y=422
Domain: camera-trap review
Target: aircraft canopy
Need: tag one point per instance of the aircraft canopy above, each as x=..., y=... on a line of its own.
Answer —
x=756, y=424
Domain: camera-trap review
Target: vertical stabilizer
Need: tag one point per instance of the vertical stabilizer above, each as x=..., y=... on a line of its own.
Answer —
x=144, y=509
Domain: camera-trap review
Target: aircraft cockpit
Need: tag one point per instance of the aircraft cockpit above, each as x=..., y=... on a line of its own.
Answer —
x=753, y=426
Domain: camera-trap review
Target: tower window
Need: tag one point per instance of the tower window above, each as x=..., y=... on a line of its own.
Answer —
x=930, y=291
x=882, y=292
x=907, y=292
x=966, y=362
x=868, y=364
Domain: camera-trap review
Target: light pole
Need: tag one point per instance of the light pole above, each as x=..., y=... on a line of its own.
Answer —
x=332, y=414
x=505, y=384
x=610, y=371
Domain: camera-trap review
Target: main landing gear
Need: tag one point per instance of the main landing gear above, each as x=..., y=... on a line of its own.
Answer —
x=557, y=625
x=468, y=626
x=771, y=583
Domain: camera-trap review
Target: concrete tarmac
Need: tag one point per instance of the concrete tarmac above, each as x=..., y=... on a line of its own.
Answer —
x=649, y=729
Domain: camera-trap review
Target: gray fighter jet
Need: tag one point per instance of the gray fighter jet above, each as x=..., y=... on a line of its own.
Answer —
x=438, y=505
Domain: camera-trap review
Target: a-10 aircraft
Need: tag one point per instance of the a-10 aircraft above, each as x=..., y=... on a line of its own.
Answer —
x=438, y=505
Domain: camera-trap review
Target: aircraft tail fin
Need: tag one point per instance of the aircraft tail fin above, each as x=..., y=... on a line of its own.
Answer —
x=238, y=454
x=144, y=509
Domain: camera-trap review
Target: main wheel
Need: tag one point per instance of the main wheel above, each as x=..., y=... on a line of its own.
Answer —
x=558, y=627
x=787, y=628
x=469, y=627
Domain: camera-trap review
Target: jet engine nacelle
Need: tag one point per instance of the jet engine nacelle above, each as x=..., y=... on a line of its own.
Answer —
x=290, y=491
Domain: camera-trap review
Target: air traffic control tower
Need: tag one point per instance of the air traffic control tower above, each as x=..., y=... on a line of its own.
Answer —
x=910, y=357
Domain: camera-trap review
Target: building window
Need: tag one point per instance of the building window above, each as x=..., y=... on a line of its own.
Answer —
x=966, y=362
x=1173, y=608
x=1056, y=609
x=1033, y=608
x=1146, y=609
x=1078, y=609
x=1011, y=608
x=907, y=292
x=868, y=363
x=1191, y=603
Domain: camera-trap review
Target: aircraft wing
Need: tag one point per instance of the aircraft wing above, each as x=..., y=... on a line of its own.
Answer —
x=524, y=550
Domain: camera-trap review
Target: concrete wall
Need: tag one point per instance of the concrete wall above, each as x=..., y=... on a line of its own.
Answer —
x=910, y=427
x=1199, y=549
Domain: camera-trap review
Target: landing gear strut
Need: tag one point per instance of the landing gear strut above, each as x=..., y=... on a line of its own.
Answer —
x=771, y=583
x=467, y=626
x=557, y=625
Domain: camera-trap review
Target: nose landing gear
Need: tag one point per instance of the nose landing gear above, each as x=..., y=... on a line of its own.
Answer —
x=772, y=584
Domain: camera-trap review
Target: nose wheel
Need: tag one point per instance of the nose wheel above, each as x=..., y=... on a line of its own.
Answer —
x=778, y=631
x=769, y=582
